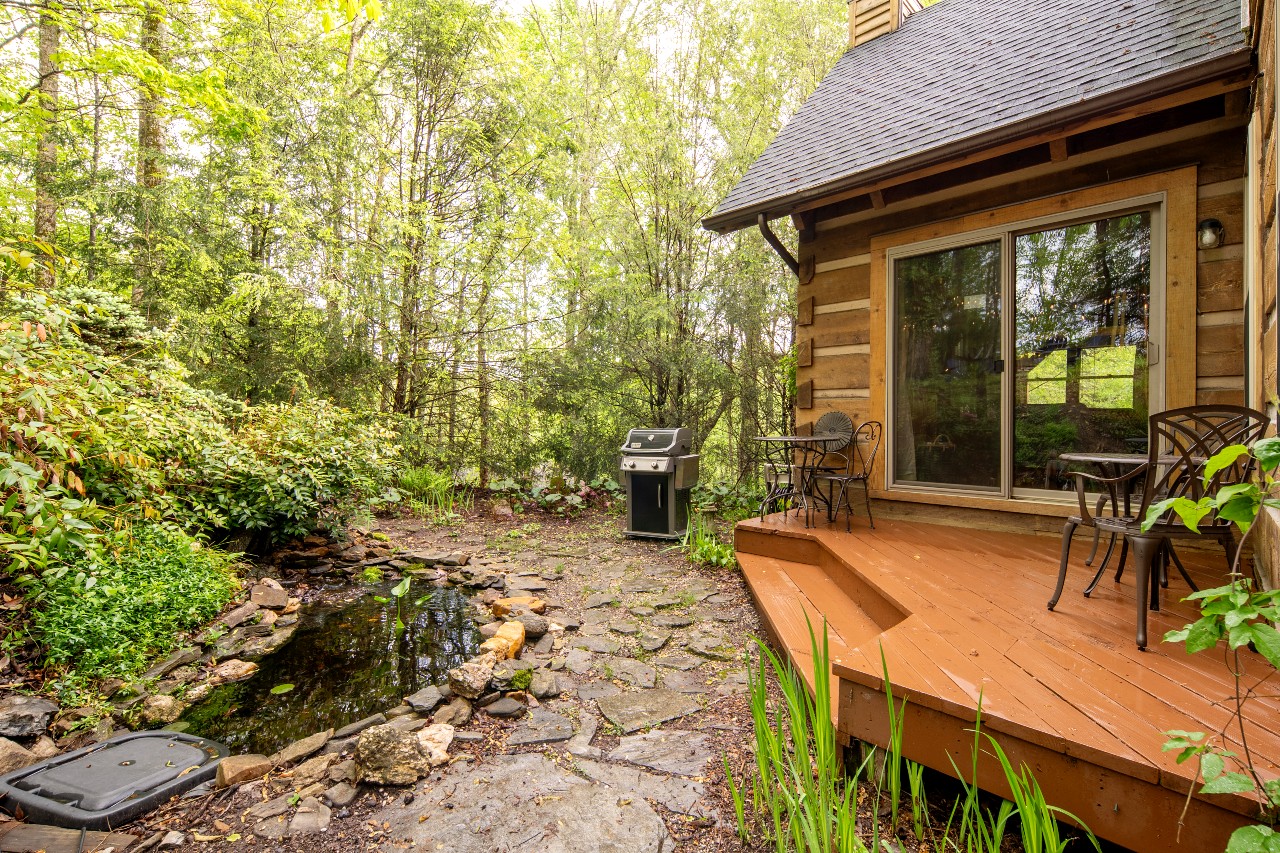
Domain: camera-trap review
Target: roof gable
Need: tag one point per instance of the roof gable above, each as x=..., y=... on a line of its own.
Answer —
x=970, y=70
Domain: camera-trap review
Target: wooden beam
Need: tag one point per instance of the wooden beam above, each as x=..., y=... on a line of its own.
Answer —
x=804, y=312
x=877, y=199
x=1058, y=150
x=804, y=352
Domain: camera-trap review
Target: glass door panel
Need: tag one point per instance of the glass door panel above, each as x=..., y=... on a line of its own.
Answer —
x=1081, y=331
x=947, y=365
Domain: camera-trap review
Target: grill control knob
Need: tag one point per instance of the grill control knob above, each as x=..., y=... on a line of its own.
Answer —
x=654, y=466
x=631, y=464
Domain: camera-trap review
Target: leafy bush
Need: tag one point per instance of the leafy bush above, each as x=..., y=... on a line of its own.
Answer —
x=729, y=501
x=108, y=617
x=703, y=545
x=563, y=495
x=434, y=494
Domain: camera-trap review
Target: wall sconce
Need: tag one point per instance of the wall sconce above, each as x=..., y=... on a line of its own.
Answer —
x=1209, y=234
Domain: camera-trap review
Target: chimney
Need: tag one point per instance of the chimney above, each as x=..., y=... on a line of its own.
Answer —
x=871, y=18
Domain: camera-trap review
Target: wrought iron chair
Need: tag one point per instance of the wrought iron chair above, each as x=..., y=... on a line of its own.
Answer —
x=859, y=460
x=834, y=456
x=1180, y=441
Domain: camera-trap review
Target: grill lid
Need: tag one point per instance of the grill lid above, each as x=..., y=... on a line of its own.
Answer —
x=658, y=442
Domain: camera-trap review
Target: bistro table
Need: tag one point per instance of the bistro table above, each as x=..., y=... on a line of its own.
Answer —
x=780, y=450
x=1112, y=466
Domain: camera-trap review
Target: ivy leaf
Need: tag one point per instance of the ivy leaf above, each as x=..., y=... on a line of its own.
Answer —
x=1224, y=458
x=1229, y=783
x=1266, y=639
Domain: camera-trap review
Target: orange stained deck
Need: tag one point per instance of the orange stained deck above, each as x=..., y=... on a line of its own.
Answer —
x=960, y=614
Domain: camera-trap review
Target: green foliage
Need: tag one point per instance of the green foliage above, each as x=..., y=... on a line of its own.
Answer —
x=730, y=502
x=703, y=546
x=522, y=679
x=1243, y=617
x=109, y=615
x=434, y=494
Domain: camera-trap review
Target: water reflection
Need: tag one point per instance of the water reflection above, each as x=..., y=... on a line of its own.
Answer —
x=345, y=662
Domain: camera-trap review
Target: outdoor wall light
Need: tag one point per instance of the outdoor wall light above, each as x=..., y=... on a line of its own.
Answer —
x=1209, y=234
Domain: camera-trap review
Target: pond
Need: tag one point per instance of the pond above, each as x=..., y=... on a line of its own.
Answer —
x=345, y=662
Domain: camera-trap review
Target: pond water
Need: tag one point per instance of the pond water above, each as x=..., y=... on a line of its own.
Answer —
x=345, y=662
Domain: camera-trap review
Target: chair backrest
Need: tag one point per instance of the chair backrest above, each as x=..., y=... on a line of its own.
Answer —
x=836, y=423
x=866, y=443
x=1181, y=441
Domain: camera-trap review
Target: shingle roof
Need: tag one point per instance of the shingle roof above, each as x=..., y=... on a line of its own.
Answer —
x=970, y=69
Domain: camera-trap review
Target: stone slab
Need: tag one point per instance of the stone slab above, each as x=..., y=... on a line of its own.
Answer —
x=643, y=709
x=541, y=726
x=667, y=750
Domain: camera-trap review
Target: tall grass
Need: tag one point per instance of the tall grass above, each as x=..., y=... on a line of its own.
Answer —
x=703, y=546
x=434, y=495
x=798, y=797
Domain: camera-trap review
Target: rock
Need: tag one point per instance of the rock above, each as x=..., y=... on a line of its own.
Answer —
x=435, y=741
x=455, y=559
x=259, y=647
x=456, y=713
x=712, y=648
x=503, y=606
x=471, y=679
x=682, y=796
x=425, y=700
x=525, y=583
x=299, y=750
x=343, y=771
x=182, y=656
x=173, y=838
x=359, y=725
x=235, y=769
x=502, y=511
x=535, y=626
x=230, y=670
x=624, y=627
x=644, y=709
x=593, y=690
x=580, y=743
x=408, y=723
x=641, y=585
x=24, y=716
x=239, y=615
x=627, y=671
x=269, y=593
x=427, y=558
x=600, y=645
x=341, y=794
x=507, y=642
x=400, y=710
x=651, y=641
x=578, y=661
x=313, y=770
x=545, y=685
x=505, y=709
x=490, y=630
x=354, y=554
x=505, y=674
x=541, y=726
x=14, y=757
x=524, y=802
x=159, y=710
x=386, y=755
x=684, y=663
x=668, y=750
x=44, y=748
x=600, y=599
x=311, y=817
x=672, y=620
x=641, y=610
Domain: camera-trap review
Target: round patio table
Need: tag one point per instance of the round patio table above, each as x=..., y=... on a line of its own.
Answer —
x=780, y=451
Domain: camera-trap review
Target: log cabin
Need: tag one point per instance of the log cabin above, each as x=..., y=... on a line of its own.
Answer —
x=1021, y=227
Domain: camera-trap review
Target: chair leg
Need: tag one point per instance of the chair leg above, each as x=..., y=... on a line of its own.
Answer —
x=1097, y=576
x=1124, y=553
x=1146, y=551
x=866, y=496
x=1068, y=530
x=848, y=509
x=1097, y=534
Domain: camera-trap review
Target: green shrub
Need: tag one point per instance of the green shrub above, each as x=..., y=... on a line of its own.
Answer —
x=109, y=617
x=434, y=494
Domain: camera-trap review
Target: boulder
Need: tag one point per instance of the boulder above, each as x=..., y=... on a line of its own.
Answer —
x=14, y=757
x=456, y=713
x=239, y=615
x=313, y=770
x=24, y=716
x=235, y=769
x=231, y=670
x=503, y=606
x=505, y=708
x=425, y=700
x=269, y=593
x=341, y=794
x=435, y=740
x=470, y=679
x=299, y=750
x=161, y=710
x=507, y=642
x=359, y=725
x=505, y=675
x=386, y=755
x=534, y=625
x=545, y=685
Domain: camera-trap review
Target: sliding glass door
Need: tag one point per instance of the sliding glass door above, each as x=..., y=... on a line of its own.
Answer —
x=1067, y=307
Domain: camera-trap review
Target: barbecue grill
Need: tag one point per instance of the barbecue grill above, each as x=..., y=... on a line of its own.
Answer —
x=659, y=471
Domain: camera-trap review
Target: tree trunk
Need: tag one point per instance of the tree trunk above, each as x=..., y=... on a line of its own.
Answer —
x=150, y=150
x=46, y=214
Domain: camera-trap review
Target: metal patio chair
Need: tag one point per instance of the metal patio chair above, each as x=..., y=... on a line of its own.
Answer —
x=835, y=454
x=859, y=460
x=1180, y=441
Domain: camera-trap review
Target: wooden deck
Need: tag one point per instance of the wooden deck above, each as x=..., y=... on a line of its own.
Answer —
x=961, y=613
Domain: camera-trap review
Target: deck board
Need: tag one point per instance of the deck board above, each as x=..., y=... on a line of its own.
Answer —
x=968, y=619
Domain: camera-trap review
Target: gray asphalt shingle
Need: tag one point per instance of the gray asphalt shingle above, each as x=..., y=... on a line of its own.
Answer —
x=968, y=68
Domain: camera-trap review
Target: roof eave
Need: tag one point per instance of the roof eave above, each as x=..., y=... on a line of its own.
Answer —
x=1114, y=101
